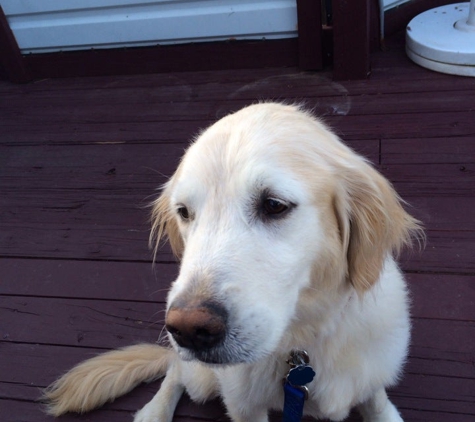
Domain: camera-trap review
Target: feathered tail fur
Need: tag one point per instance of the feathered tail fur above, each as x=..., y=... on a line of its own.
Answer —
x=106, y=377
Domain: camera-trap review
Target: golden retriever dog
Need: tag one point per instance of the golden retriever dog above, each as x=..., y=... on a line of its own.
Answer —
x=286, y=240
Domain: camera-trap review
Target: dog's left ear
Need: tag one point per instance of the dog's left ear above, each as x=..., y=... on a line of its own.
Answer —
x=164, y=224
x=372, y=223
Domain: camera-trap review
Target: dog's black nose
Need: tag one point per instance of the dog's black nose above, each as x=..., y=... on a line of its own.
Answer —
x=197, y=327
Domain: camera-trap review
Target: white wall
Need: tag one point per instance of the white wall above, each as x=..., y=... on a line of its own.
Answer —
x=54, y=25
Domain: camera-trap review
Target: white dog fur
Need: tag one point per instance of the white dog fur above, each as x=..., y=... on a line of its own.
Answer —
x=293, y=234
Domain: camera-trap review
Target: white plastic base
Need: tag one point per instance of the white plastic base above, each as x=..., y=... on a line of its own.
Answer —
x=443, y=39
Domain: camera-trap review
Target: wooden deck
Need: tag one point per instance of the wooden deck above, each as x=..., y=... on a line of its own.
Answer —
x=80, y=159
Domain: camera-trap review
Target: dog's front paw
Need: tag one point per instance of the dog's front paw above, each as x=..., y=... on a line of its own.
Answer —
x=145, y=415
x=150, y=413
x=390, y=414
x=378, y=408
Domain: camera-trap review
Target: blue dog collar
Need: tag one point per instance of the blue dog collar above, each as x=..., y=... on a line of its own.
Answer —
x=295, y=391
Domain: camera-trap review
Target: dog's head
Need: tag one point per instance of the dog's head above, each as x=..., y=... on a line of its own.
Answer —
x=267, y=209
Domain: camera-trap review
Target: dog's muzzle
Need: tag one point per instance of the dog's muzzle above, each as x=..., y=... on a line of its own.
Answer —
x=198, y=327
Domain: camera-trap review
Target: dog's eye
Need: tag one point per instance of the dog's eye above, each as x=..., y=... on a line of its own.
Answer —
x=274, y=207
x=183, y=212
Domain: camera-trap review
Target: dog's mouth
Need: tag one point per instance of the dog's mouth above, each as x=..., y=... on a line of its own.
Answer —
x=209, y=357
x=230, y=351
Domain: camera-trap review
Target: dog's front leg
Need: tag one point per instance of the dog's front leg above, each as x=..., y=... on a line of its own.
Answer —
x=162, y=407
x=247, y=415
x=378, y=408
x=241, y=410
x=244, y=393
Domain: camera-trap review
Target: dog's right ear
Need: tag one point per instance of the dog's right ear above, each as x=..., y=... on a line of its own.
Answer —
x=164, y=224
x=372, y=223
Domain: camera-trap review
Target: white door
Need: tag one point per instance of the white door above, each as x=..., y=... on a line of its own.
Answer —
x=55, y=25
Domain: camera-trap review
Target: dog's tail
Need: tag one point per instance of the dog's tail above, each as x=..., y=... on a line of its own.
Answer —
x=106, y=377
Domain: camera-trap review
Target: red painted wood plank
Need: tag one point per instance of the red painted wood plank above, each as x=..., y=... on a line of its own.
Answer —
x=80, y=322
x=19, y=410
x=123, y=281
x=442, y=296
x=391, y=81
x=131, y=107
x=435, y=395
x=413, y=413
x=459, y=150
x=152, y=104
x=442, y=214
x=162, y=80
x=445, y=252
x=350, y=127
x=404, y=125
x=443, y=180
x=412, y=103
x=441, y=342
x=32, y=412
x=76, y=241
x=148, y=105
x=430, y=366
x=103, y=133
x=132, y=170
x=393, y=76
